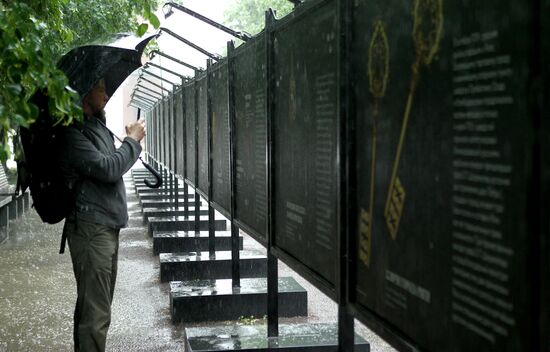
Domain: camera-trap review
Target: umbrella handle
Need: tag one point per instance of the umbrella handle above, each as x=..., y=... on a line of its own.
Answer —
x=158, y=178
x=155, y=173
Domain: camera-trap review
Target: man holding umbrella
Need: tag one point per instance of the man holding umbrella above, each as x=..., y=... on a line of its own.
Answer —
x=93, y=168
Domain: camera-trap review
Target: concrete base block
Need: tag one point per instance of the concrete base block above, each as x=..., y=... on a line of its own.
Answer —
x=192, y=266
x=27, y=201
x=20, y=206
x=162, y=203
x=253, y=338
x=4, y=222
x=166, y=195
x=217, y=300
x=190, y=241
x=142, y=189
x=181, y=223
x=140, y=180
x=12, y=210
x=146, y=174
x=170, y=212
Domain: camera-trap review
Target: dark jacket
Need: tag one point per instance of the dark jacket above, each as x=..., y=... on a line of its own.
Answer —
x=93, y=167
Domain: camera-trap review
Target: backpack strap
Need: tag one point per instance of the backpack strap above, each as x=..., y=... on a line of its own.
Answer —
x=63, y=242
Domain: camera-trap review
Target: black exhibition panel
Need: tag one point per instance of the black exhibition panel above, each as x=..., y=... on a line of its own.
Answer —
x=158, y=119
x=448, y=184
x=151, y=127
x=145, y=116
x=163, y=131
x=173, y=144
x=179, y=132
x=163, y=135
x=251, y=137
x=156, y=122
x=151, y=132
x=167, y=131
x=219, y=108
x=203, y=152
x=171, y=132
x=160, y=130
x=190, y=133
x=304, y=131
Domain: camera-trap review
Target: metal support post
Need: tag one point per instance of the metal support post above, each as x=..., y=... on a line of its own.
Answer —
x=272, y=269
x=346, y=329
x=211, y=214
x=197, y=196
x=235, y=255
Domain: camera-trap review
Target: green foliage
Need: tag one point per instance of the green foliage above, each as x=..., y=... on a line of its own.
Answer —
x=35, y=34
x=249, y=15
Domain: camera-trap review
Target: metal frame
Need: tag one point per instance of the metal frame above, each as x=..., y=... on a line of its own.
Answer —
x=182, y=77
x=136, y=91
x=241, y=35
x=149, y=89
x=160, y=53
x=159, y=77
x=146, y=103
x=137, y=105
x=153, y=83
x=191, y=44
x=137, y=96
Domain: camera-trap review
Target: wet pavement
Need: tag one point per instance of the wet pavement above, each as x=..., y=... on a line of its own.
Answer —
x=38, y=292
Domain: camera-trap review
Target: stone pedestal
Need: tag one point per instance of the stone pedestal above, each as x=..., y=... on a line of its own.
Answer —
x=217, y=300
x=170, y=212
x=190, y=241
x=181, y=223
x=192, y=266
x=253, y=338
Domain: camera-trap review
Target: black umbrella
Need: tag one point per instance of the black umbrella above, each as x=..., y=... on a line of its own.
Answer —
x=113, y=61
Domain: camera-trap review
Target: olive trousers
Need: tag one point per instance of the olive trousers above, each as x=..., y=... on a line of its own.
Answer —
x=94, y=253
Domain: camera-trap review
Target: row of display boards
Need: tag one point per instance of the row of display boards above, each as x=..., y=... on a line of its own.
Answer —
x=394, y=153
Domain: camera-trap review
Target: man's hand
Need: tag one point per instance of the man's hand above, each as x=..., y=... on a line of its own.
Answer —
x=136, y=130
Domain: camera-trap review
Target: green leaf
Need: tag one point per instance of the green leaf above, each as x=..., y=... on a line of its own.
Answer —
x=14, y=89
x=4, y=151
x=147, y=13
x=24, y=109
x=154, y=20
x=33, y=111
x=142, y=28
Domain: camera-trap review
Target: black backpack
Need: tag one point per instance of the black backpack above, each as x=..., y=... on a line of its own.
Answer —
x=39, y=166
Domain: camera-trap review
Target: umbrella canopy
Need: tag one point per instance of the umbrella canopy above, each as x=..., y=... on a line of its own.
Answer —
x=113, y=61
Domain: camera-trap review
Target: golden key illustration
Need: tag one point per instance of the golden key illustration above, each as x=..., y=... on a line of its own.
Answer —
x=427, y=28
x=378, y=71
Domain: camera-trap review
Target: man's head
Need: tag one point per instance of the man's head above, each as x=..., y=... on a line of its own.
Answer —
x=94, y=102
